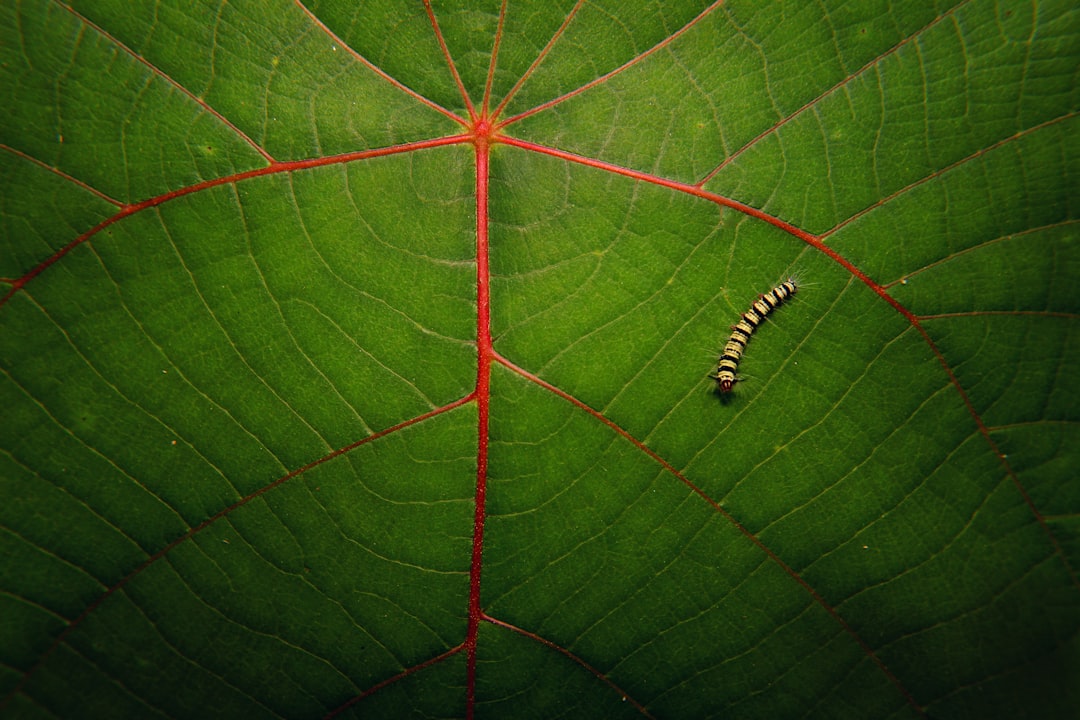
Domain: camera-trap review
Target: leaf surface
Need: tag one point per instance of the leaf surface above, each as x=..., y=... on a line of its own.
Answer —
x=356, y=359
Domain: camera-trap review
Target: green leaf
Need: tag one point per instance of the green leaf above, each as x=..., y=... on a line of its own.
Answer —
x=355, y=359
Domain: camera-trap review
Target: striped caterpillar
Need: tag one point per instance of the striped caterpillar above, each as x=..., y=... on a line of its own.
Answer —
x=742, y=330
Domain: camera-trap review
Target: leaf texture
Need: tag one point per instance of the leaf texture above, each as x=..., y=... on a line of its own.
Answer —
x=355, y=359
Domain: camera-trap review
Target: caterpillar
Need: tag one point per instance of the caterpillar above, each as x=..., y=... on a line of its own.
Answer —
x=742, y=330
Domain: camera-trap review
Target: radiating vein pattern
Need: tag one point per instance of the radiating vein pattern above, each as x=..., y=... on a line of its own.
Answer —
x=353, y=359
